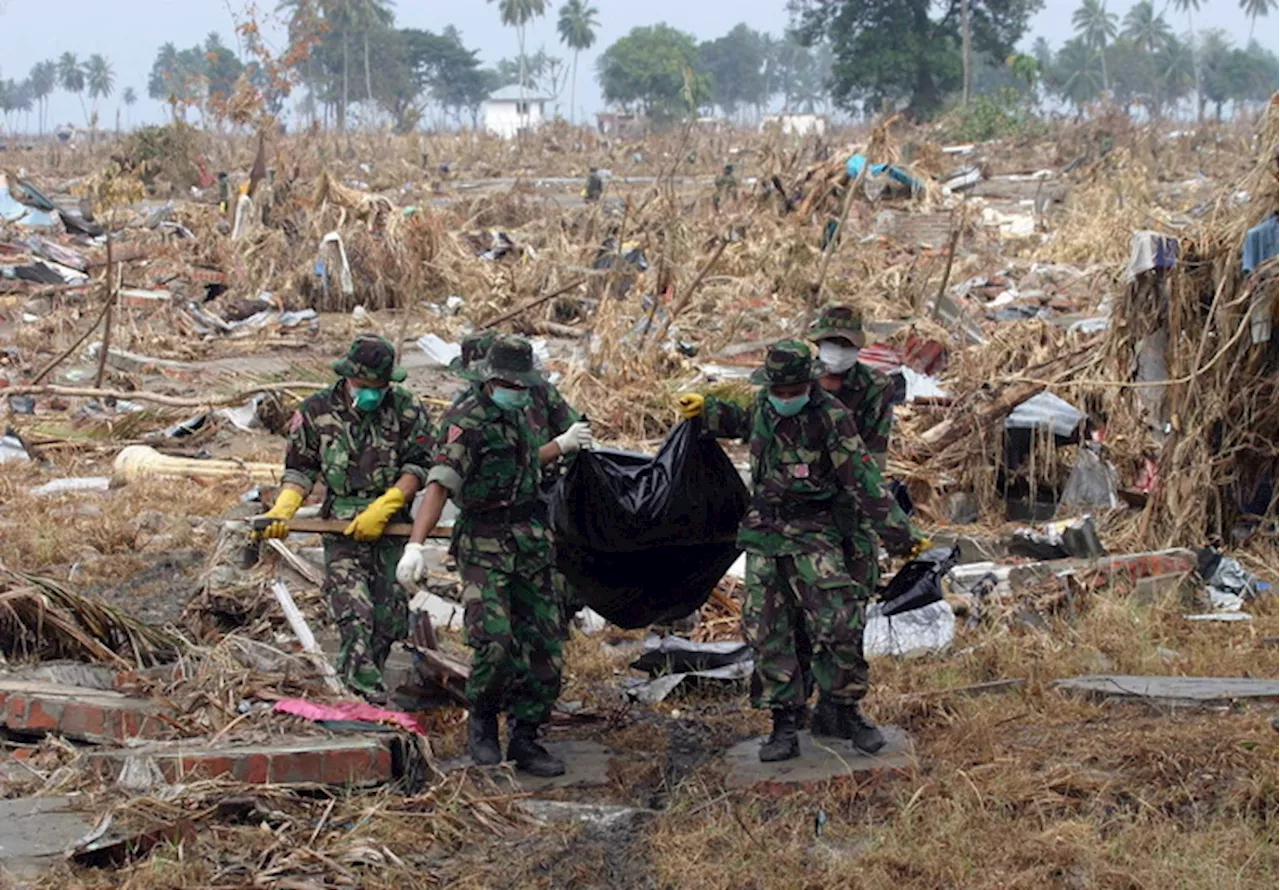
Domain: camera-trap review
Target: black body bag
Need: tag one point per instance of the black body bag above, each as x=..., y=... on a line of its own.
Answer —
x=643, y=540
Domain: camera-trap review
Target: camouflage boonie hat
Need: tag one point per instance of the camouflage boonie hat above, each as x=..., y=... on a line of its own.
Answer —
x=370, y=358
x=839, y=323
x=787, y=361
x=474, y=348
x=510, y=360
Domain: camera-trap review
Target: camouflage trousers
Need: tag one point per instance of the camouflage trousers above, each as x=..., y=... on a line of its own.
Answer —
x=514, y=622
x=369, y=607
x=804, y=617
x=570, y=603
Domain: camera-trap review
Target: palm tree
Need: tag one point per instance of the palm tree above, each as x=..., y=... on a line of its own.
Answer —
x=339, y=17
x=1076, y=76
x=517, y=14
x=1175, y=71
x=577, y=31
x=129, y=97
x=302, y=17
x=1189, y=7
x=368, y=15
x=44, y=79
x=1097, y=26
x=1147, y=30
x=100, y=78
x=71, y=78
x=1257, y=9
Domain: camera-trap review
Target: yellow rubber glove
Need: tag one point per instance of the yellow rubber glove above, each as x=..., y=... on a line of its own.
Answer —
x=287, y=503
x=373, y=519
x=690, y=404
x=922, y=546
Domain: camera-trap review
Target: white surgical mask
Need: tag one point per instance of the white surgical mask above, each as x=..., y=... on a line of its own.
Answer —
x=836, y=357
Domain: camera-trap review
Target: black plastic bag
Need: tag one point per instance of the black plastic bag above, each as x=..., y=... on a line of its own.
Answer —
x=644, y=540
x=919, y=582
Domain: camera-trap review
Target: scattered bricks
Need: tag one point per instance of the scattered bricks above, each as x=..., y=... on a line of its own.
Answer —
x=87, y=715
x=349, y=760
x=43, y=715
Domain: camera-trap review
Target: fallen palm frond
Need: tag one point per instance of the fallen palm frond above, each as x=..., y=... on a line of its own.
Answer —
x=39, y=618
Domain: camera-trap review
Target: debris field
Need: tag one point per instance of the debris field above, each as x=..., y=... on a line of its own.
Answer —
x=1082, y=331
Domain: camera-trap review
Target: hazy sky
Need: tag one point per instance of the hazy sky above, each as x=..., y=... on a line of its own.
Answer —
x=128, y=32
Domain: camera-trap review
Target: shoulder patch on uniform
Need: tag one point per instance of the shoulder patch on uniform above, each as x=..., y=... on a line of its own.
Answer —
x=295, y=422
x=454, y=434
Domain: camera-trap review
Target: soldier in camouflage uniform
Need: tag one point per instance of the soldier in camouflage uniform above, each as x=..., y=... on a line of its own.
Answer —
x=810, y=477
x=490, y=460
x=868, y=395
x=726, y=185
x=550, y=415
x=369, y=442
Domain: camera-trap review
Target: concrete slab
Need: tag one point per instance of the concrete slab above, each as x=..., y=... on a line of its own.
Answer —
x=1173, y=691
x=819, y=760
x=586, y=766
x=35, y=832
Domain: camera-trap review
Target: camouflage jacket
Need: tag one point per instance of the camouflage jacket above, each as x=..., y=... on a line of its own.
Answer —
x=358, y=455
x=812, y=479
x=487, y=459
x=548, y=415
x=868, y=395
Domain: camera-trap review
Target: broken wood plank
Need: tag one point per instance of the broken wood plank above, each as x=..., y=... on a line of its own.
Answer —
x=1173, y=691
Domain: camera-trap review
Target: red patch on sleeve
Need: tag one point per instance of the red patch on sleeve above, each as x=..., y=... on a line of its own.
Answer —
x=295, y=422
x=454, y=434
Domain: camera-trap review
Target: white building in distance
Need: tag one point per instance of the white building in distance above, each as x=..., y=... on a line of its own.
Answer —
x=506, y=113
x=795, y=124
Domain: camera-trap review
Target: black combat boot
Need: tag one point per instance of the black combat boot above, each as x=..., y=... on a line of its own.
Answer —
x=864, y=734
x=530, y=757
x=783, y=743
x=826, y=720
x=482, y=737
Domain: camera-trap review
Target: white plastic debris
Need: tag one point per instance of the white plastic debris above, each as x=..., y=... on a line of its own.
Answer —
x=11, y=449
x=347, y=284
x=1045, y=411
x=922, y=386
x=928, y=629
x=443, y=613
x=74, y=483
x=441, y=352
x=244, y=212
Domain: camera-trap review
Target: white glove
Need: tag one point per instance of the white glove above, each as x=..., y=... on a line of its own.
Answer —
x=412, y=566
x=575, y=438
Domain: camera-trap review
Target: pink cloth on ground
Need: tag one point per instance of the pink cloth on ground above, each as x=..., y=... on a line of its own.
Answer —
x=348, y=710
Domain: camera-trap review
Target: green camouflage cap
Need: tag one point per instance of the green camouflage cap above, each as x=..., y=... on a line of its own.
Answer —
x=839, y=323
x=474, y=348
x=787, y=361
x=510, y=360
x=370, y=358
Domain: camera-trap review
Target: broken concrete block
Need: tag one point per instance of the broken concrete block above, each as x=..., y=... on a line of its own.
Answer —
x=819, y=760
x=350, y=760
x=36, y=831
x=87, y=715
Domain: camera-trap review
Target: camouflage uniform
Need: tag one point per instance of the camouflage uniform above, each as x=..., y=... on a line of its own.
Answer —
x=868, y=395
x=358, y=455
x=488, y=460
x=595, y=186
x=548, y=416
x=726, y=187
x=810, y=474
